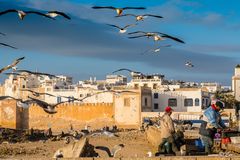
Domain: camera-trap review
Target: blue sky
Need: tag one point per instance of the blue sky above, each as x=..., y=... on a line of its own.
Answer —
x=86, y=46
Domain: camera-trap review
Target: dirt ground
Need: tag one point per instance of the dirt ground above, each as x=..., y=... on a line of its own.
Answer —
x=135, y=145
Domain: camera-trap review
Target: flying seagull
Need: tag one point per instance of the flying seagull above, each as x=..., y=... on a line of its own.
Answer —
x=22, y=14
x=54, y=14
x=48, y=108
x=131, y=71
x=114, y=150
x=189, y=64
x=157, y=36
x=37, y=94
x=140, y=17
x=122, y=30
x=6, y=45
x=20, y=103
x=155, y=50
x=118, y=10
x=38, y=73
x=2, y=34
x=13, y=65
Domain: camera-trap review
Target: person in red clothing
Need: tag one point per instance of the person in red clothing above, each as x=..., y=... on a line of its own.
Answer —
x=167, y=130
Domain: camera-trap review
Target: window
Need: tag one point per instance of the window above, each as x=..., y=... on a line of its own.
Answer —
x=126, y=102
x=154, y=86
x=145, y=85
x=81, y=95
x=59, y=99
x=188, y=102
x=145, y=102
x=155, y=95
x=172, y=102
x=155, y=105
x=196, y=101
x=136, y=86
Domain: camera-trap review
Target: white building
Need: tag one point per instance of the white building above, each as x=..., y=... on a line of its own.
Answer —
x=236, y=83
x=181, y=100
x=211, y=86
x=116, y=80
x=153, y=81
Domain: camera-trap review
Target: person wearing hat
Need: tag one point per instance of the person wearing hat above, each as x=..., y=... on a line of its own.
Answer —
x=212, y=122
x=167, y=130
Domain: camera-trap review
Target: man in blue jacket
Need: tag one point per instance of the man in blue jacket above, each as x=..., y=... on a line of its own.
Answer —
x=212, y=122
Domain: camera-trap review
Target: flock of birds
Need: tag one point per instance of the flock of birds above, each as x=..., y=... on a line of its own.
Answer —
x=156, y=36
x=50, y=108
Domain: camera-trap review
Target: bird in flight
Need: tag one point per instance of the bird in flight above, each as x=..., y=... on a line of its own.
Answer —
x=155, y=50
x=6, y=45
x=3, y=34
x=38, y=73
x=118, y=10
x=157, y=36
x=22, y=14
x=37, y=94
x=122, y=29
x=54, y=14
x=140, y=17
x=189, y=64
x=114, y=150
x=48, y=108
x=131, y=71
x=20, y=103
x=13, y=65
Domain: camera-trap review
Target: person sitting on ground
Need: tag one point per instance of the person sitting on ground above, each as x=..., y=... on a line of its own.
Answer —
x=167, y=131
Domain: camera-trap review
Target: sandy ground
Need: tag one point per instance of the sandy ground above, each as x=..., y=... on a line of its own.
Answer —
x=135, y=145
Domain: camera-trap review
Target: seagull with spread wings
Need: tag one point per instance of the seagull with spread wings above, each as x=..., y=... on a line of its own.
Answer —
x=22, y=14
x=157, y=36
x=114, y=150
x=48, y=108
x=3, y=34
x=54, y=14
x=7, y=45
x=37, y=73
x=129, y=70
x=118, y=10
x=140, y=17
x=37, y=94
x=20, y=103
x=189, y=64
x=13, y=65
x=155, y=50
x=122, y=29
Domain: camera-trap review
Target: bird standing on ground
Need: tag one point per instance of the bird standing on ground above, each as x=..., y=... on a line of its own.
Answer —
x=7, y=45
x=22, y=14
x=54, y=14
x=13, y=65
x=140, y=17
x=118, y=10
x=122, y=30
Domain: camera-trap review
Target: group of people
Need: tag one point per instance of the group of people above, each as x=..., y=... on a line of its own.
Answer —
x=211, y=124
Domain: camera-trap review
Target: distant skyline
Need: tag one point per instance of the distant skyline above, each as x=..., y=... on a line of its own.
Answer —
x=85, y=46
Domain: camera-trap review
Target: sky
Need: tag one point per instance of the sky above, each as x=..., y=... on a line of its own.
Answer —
x=85, y=46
